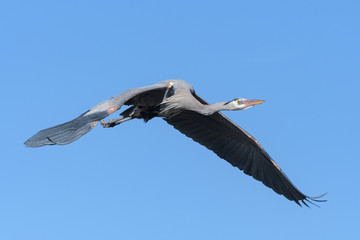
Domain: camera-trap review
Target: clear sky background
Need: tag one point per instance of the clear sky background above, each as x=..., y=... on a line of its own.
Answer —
x=148, y=181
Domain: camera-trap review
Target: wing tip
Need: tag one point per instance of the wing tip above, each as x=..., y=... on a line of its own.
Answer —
x=34, y=143
x=311, y=200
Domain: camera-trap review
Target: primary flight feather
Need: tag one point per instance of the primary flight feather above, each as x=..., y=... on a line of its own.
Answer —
x=178, y=104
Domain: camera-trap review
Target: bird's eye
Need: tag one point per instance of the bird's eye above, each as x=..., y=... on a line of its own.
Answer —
x=238, y=101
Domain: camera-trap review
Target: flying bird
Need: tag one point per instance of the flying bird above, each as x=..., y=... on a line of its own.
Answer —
x=177, y=103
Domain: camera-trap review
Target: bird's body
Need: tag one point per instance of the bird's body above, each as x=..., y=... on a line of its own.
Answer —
x=177, y=103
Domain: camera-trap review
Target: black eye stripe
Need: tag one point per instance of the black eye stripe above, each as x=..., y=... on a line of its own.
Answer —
x=235, y=99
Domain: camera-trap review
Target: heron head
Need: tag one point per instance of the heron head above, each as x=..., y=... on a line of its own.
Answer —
x=242, y=103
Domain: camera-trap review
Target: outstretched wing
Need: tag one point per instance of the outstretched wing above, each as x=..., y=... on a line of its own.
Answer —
x=239, y=148
x=70, y=131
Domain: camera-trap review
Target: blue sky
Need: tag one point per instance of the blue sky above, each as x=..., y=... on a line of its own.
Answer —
x=148, y=181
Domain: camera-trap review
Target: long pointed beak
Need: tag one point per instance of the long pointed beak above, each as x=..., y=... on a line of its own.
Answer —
x=251, y=103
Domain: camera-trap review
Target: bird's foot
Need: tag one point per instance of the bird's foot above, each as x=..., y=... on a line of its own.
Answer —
x=113, y=122
x=108, y=124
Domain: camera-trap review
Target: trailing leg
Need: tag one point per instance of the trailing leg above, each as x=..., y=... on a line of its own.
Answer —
x=114, y=122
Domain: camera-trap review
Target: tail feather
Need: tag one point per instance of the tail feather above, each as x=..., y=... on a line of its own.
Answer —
x=67, y=132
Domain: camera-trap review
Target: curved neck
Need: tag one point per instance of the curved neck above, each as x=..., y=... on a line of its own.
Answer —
x=212, y=108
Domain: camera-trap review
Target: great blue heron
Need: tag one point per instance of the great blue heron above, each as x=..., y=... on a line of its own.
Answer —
x=178, y=104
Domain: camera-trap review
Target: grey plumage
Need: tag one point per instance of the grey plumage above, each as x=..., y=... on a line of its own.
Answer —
x=70, y=131
x=178, y=104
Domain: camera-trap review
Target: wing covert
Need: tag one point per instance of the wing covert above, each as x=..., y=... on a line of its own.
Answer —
x=230, y=142
x=70, y=131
